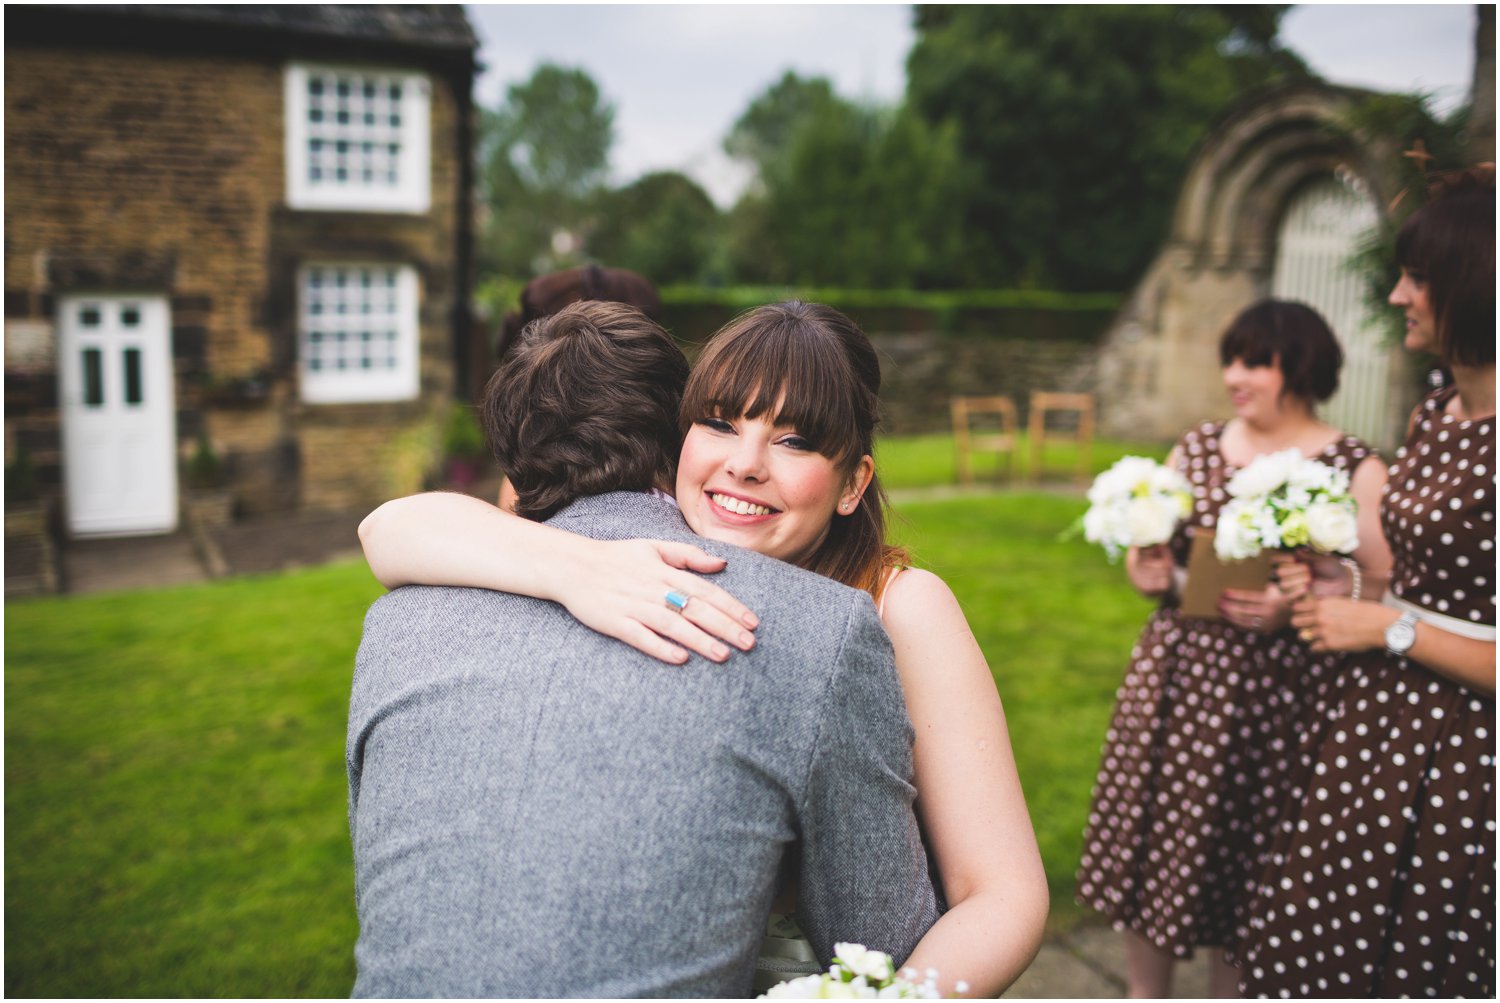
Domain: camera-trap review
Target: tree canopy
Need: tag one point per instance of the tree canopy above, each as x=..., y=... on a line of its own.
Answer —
x=544, y=156
x=1080, y=120
x=1037, y=146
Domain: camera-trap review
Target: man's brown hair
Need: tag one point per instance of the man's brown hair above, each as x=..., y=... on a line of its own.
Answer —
x=585, y=403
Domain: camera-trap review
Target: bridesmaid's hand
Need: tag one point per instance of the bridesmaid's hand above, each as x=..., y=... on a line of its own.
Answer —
x=619, y=588
x=1149, y=570
x=1306, y=572
x=1336, y=623
x=1266, y=610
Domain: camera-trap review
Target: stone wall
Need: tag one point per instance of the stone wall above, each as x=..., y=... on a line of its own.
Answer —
x=928, y=357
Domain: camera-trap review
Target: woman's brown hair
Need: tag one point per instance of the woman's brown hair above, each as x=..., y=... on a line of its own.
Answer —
x=1450, y=243
x=810, y=367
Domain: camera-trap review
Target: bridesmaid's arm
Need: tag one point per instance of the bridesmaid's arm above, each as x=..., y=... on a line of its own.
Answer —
x=1373, y=553
x=969, y=798
x=614, y=587
x=1340, y=624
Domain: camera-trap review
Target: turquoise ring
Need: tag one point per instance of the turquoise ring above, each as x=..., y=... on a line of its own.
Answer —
x=677, y=600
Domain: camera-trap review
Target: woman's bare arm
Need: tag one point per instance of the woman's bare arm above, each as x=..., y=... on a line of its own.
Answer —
x=1339, y=624
x=614, y=587
x=969, y=798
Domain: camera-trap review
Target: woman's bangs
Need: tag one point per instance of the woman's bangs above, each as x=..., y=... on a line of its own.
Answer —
x=774, y=373
x=1250, y=344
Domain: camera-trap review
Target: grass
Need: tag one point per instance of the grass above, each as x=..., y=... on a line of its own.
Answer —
x=174, y=789
x=926, y=460
x=175, y=792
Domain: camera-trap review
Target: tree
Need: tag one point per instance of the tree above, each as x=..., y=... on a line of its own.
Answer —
x=544, y=156
x=763, y=134
x=663, y=226
x=1079, y=120
x=847, y=195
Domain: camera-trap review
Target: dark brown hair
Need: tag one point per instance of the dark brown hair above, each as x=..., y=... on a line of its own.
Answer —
x=1292, y=336
x=1450, y=244
x=586, y=402
x=810, y=367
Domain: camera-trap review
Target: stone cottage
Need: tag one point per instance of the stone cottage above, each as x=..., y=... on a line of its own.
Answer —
x=233, y=232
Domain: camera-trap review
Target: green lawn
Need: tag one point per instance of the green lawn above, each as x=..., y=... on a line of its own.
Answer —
x=926, y=460
x=175, y=795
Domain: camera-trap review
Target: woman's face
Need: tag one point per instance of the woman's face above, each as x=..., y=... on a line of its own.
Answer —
x=1255, y=391
x=1411, y=295
x=760, y=486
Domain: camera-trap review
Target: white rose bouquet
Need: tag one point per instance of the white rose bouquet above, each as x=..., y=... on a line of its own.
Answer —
x=859, y=973
x=1135, y=503
x=1283, y=501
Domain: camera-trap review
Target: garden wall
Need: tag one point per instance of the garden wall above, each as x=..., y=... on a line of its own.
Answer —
x=936, y=346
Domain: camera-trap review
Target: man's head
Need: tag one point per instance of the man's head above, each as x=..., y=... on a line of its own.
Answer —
x=586, y=402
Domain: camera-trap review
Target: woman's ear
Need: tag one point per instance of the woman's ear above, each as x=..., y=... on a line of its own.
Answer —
x=864, y=472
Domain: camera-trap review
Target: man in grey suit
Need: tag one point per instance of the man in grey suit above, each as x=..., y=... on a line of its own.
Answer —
x=539, y=810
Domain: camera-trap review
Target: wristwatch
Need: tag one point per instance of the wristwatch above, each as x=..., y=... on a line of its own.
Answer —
x=1401, y=635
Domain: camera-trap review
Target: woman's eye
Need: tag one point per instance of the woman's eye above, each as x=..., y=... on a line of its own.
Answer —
x=796, y=442
x=717, y=424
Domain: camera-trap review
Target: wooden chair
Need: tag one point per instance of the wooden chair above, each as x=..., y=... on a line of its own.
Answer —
x=1045, y=403
x=965, y=440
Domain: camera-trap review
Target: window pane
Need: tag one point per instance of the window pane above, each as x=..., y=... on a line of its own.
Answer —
x=130, y=316
x=93, y=377
x=133, y=376
x=89, y=316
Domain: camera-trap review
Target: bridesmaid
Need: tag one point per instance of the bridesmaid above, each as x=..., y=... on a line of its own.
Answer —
x=1198, y=754
x=1381, y=882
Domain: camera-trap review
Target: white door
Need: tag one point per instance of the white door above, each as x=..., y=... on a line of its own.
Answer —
x=1321, y=231
x=118, y=415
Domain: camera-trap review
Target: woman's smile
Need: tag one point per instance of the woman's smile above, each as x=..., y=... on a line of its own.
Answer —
x=758, y=485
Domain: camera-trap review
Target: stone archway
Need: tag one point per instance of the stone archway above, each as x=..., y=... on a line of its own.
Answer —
x=1158, y=367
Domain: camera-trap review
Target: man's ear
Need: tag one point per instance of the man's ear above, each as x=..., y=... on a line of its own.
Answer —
x=859, y=480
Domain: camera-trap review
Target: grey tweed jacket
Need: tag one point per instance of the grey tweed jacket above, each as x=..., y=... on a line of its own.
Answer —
x=540, y=811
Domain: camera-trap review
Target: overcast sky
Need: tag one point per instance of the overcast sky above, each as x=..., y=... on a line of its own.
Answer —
x=679, y=76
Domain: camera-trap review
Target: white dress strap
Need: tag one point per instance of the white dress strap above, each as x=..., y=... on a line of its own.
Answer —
x=890, y=576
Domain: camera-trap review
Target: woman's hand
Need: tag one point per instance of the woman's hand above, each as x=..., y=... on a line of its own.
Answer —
x=1335, y=623
x=1150, y=570
x=1307, y=572
x=1266, y=610
x=619, y=588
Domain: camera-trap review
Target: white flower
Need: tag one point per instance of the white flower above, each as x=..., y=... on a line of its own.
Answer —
x=858, y=973
x=1282, y=501
x=1333, y=527
x=1152, y=519
x=1237, y=536
x=1265, y=474
x=862, y=961
x=1135, y=503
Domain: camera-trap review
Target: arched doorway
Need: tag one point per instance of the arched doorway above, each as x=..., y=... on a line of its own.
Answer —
x=1320, y=232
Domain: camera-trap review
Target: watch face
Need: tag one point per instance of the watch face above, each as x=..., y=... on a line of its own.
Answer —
x=1400, y=635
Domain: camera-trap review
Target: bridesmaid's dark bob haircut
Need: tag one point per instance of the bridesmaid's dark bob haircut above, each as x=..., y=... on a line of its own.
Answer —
x=1292, y=336
x=809, y=367
x=1449, y=243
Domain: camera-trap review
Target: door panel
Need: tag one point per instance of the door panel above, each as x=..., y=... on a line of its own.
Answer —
x=119, y=414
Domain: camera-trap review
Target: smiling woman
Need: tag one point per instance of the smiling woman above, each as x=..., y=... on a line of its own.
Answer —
x=780, y=414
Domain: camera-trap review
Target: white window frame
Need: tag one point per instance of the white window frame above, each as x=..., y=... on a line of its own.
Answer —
x=413, y=191
x=327, y=385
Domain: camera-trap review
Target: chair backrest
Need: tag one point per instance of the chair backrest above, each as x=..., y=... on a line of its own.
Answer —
x=965, y=440
x=1045, y=402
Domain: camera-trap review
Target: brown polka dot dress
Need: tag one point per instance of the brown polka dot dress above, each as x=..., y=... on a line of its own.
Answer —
x=1382, y=877
x=1198, y=755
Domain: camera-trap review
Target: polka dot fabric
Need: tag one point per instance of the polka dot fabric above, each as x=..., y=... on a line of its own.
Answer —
x=1198, y=757
x=1382, y=879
